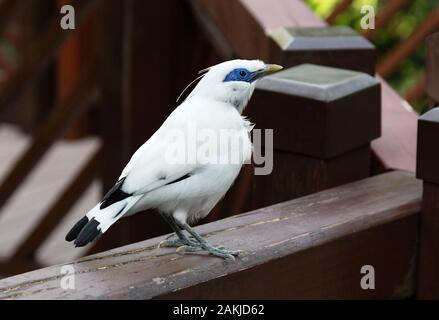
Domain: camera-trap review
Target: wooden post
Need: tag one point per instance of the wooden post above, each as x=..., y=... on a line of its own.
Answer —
x=433, y=68
x=427, y=170
x=323, y=121
x=339, y=47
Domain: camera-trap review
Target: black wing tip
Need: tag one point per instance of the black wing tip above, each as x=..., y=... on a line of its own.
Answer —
x=76, y=229
x=115, y=194
x=89, y=233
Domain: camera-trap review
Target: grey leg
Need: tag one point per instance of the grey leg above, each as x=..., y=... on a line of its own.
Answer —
x=204, y=245
x=182, y=240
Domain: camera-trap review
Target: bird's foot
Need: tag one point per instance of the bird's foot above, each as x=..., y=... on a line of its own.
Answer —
x=215, y=251
x=173, y=241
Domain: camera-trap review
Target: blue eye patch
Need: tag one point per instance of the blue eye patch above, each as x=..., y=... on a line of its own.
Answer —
x=241, y=74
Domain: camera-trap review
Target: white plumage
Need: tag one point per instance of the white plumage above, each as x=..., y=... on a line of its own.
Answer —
x=176, y=171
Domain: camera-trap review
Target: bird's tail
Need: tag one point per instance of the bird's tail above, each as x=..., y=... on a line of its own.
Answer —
x=98, y=220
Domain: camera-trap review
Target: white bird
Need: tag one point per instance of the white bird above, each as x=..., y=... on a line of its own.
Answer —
x=185, y=189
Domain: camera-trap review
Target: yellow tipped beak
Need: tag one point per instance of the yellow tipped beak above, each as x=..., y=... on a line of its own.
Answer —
x=272, y=68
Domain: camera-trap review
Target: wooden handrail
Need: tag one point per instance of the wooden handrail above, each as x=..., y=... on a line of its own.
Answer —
x=40, y=56
x=292, y=250
x=53, y=127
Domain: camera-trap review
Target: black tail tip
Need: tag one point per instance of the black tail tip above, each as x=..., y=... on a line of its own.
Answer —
x=88, y=233
x=74, y=232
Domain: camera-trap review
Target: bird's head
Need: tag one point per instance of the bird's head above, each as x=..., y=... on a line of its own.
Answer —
x=233, y=81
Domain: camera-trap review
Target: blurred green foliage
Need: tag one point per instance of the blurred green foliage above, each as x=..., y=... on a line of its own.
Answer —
x=399, y=28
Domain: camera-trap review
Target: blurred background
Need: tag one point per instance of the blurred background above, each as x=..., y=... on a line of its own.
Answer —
x=398, y=21
x=75, y=104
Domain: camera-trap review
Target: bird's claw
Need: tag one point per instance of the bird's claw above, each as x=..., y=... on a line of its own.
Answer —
x=215, y=251
x=175, y=243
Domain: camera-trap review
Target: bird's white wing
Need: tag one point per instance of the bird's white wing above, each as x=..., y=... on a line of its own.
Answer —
x=151, y=168
x=155, y=164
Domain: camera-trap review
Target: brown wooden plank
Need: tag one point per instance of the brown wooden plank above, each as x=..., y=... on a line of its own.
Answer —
x=59, y=209
x=396, y=148
x=313, y=247
x=54, y=126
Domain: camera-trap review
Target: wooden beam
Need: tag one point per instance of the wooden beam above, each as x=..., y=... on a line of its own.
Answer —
x=341, y=6
x=40, y=56
x=55, y=125
x=313, y=247
x=59, y=209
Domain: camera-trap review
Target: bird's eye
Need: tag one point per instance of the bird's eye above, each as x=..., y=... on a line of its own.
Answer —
x=242, y=73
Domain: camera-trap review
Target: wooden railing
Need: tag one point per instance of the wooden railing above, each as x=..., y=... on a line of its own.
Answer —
x=312, y=247
x=302, y=246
